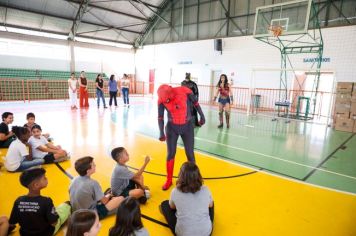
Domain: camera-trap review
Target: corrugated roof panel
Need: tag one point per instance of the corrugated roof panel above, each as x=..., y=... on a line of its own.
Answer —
x=16, y=17
x=51, y=23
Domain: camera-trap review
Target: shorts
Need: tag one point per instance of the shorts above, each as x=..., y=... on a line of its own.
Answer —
x=49, y=158
x=224, y=101
x=125, y=192
x=102, y=210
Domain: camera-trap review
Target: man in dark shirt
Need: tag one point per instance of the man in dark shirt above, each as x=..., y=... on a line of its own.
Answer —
x=6, y=136
x=187, y=82
x=35, y=213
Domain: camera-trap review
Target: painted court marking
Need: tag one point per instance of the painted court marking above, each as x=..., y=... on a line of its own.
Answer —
x=276, y=158
x=248, y=166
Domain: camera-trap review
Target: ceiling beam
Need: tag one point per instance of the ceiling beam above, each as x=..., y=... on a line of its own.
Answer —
x=111, y=10
x=80, y=13
x=122, y=28
x=155, y=13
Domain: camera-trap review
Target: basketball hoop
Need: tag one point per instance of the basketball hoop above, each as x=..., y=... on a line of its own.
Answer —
x=275, y=30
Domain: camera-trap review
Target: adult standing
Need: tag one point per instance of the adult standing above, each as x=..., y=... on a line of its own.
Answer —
x=6, y=136
x=83, y=90
x=125, y=87
x=177, y=102
x=225, y=98
x=99, y=83
x=112, y=90
x=187, y=82
x=72, y=91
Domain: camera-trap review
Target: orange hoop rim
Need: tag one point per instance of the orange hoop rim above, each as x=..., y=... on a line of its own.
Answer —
x=276, y=30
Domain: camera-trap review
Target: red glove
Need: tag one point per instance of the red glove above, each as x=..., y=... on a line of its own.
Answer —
x=202, y=122
x=162, y=138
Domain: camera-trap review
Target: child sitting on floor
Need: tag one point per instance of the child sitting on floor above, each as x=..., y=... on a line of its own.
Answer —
x=31, y=121
x=35, y=213
x=42, y=149
x=83, y=223
x=190, y=210
x=6, y=136
x=123, y=181
x=19, y=154
x=128, y=219
x=86, y=193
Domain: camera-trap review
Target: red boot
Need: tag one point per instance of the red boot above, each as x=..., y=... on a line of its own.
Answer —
x=170, y=167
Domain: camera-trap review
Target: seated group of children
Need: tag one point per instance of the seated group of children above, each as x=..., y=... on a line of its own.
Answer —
x=190, y=210
x=27, y=146
x=36, y=214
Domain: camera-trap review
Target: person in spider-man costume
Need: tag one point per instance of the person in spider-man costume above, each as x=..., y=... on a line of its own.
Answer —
x=177, y=102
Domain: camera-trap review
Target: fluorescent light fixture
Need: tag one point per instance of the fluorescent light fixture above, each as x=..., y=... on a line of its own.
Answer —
x=32, y=32
x=102, y=42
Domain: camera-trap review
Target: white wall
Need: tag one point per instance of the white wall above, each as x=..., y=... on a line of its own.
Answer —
x=240, y=56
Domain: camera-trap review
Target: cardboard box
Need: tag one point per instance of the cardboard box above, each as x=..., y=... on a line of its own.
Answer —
x=345, y=125
x=343, y=97
x=345, y=115
x=353, y=107
x=342, y=107
x=353, y=97
x=344, y=87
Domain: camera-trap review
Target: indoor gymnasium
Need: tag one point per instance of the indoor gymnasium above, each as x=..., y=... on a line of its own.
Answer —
x=178, y=117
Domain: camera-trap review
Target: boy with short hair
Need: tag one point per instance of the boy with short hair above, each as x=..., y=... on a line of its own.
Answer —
x=31, y=121
x=35, y=213
x=125, y=182
x=86, y=193
x=6, y=136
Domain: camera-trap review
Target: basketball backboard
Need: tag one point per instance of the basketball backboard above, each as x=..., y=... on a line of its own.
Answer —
x=292, y=16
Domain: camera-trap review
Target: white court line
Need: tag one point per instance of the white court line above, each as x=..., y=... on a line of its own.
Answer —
x=250, y=126
x=265, y=171
x=276, y=158
x=235, y=135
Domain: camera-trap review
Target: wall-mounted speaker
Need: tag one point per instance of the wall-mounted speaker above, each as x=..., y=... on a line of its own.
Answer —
x=218, y=45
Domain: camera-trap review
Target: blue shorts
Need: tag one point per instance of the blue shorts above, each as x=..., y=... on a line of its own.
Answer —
x=223, y=101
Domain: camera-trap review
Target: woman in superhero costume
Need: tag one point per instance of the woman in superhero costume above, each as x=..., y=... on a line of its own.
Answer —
x=225, y=98
x=177, y=102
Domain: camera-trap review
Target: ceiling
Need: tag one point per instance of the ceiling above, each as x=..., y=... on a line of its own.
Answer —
x=120, y=21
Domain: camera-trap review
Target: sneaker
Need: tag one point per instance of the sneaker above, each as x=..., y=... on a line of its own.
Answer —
x=105, y=107
x=107, y=191
x=147, y=194
x=220, y=126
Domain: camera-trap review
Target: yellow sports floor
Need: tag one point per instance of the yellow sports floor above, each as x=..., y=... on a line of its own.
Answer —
x=247, y=201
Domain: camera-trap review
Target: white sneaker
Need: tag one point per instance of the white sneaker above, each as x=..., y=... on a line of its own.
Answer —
x=147, y=193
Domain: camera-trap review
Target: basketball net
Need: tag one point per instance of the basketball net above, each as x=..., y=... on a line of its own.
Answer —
x=275, y=30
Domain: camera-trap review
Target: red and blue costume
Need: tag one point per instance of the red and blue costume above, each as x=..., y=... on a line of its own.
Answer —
x=177, y=102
